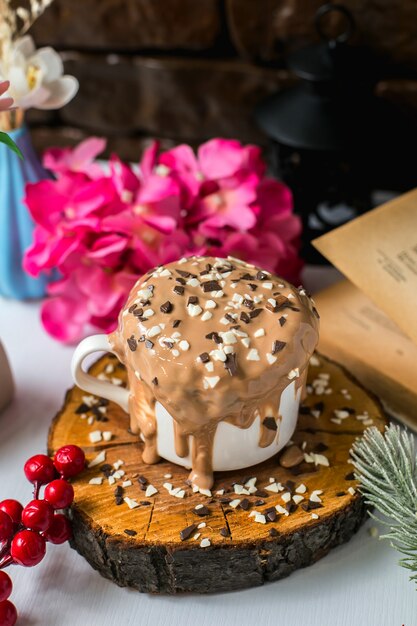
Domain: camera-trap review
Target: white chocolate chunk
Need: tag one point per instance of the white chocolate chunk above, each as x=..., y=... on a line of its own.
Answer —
x=218, y=355
x=148, y=313
x=184, y=345
x=212, y=381
x=194, y=310
x=132, y=504
x=259, y=333
x=228, y=337
x=150, y=491
x=267, y=285
x=95, y=436
x=297, y=499
x=153, y=331
x=294, y=373
x=210, y=304
x=206, y=316
x=205, y=543
x=270, y=358
x=97, y=480
x=301, y=488
x=253, y=355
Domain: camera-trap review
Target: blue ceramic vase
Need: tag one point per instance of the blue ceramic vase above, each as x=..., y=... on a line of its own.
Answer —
x=16, y=225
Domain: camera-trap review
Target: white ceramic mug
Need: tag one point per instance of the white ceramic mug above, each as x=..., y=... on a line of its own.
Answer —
x=234, y=448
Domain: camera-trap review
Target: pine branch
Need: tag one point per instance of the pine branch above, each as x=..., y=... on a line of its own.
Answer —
x=386, y=466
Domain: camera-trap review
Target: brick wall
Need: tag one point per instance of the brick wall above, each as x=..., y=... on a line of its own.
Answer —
x=187, y=70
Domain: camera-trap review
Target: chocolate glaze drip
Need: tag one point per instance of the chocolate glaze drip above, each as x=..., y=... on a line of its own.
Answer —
x=245, y=375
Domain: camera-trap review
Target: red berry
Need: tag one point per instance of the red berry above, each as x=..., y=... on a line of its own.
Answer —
x=59, y=531
x=59, y=493
x=69, y=461
x=39, y=469
x=12, y=508
x=6, y=586
x=8, y=614
x=28, y=548
x=6, y=526
x=37, y=515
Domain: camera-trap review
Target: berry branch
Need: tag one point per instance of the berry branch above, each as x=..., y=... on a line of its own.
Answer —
x=25, y=531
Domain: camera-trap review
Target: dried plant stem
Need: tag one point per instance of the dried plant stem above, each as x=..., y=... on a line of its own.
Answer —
x=15, y=20
x=386, y=465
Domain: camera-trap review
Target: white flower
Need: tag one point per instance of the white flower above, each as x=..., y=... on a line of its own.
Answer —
x=36, y=76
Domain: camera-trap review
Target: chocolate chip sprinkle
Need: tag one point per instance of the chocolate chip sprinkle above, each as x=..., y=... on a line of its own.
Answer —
x=154, y=381
x=132, y=308
x=192, y=300
x=131, y=342
x=176, y=323
x=178, y=290
x=277, y=346
x=271, y=514
x=273, y=532
x=255, y=313
x=82, y=408
x=183, y=273
x=224, y=532
x=204, y=357
x=215, y=336
x=149, y=344
x=230, y=364
x=248, y=303
x=130, y=532
x=244, y=504
x=186, y=533
x=142, y=480
x=202, y=511
x=339, y=494
x=244, y=317
x=350, y=476
x=270, y=423
x=310, y=505
x=211, y=285
x=282, y=320
x=166, y=307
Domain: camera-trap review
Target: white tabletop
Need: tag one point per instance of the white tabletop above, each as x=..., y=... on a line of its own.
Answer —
x=357, y=584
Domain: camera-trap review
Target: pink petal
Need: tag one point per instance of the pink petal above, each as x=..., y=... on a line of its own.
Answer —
x=64, y=317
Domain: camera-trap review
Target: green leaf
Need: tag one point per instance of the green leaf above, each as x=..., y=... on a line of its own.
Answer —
x=4, y=138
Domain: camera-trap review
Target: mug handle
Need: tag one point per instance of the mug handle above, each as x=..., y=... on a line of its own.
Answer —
x=103, y=388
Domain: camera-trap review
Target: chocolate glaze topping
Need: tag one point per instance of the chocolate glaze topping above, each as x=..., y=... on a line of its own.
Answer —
x=252, y=355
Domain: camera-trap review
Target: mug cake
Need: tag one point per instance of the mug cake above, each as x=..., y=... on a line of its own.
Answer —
x=217, y=352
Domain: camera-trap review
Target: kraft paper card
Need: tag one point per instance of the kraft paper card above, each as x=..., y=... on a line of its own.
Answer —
x=378, y=253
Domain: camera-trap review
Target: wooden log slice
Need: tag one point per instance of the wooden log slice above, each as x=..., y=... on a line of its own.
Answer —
x=141, y=547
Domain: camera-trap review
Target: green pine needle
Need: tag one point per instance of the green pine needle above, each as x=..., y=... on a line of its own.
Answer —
x=386, y=466
x=4, y=138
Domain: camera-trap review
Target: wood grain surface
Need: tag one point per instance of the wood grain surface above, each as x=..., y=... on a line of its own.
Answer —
x=152, y=557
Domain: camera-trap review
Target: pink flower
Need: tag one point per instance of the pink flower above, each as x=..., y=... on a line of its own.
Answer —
x=5, y=103
x=79, y=159
x=100, y=227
